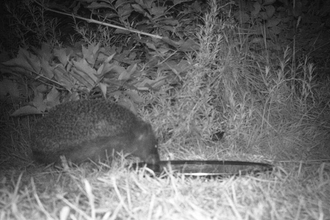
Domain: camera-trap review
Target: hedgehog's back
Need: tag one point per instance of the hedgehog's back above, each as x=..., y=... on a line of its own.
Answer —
x=73, y=123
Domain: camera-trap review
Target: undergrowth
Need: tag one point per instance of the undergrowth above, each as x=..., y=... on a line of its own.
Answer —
x=269, y=102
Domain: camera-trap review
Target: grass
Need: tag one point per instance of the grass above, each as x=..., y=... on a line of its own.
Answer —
x=270, y=111
x=114, y=193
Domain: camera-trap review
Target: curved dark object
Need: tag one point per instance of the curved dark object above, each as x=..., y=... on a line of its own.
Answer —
x=91, y=130
x=208, y=167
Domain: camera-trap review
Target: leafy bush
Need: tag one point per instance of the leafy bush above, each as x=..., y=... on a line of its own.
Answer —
x=224, y=63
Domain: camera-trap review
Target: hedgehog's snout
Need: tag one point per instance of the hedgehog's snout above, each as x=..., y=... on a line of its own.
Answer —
x=153, y=158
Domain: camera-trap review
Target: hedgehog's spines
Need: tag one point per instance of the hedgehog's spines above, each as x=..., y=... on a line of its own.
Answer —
x=86, y=128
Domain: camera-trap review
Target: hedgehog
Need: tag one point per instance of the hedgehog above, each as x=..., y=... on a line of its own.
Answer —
x=91, y=130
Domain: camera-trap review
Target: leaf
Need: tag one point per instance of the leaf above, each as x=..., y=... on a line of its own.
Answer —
x=121, y=3
x=94, y=48
x=84, y=73
x=131, y=69
x=123, y=74
x=53, y=98
x=124, y=12
x=61, y=76
x=98, y=5
x=145, y=3
x=256, y=10
x=134, y=95
x=158, y=11
x=38, y=101
x=90, y=53
x=62, y=55
x=31, y=59
x=177, y=68
x=276, y=30
x=159, y=82
x=83, y=66
x=139, y=9
x=42, y=88
x=26, y=110
x=84, y=79
x=9, y=87
x=116, y=94
x=256, y=40
x=196, y=6
x=170, y=22
x=132, y=55
x=45, y=52
x=104, y=68
x=242, y=16
x=273, y=22
x=103, y=87
x=109, y=58
x=263, y=15
x=127, y=103
x=120, y=31
x=150, y=84
x=176, y=2
x=24, y=60
x=151, y=46
x=74, y=96
x=270, y=10
x=189, y=45
x=46, y=69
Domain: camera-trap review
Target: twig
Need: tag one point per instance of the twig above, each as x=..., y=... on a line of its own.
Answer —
x=99, y=22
